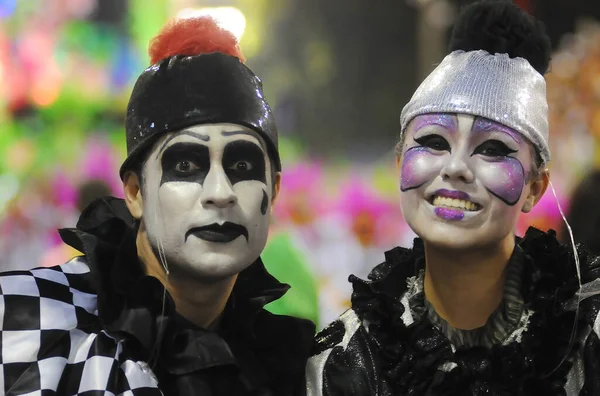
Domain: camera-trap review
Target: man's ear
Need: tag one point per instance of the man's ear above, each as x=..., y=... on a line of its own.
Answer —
x=133, y=195
x=276, y=186
x=536, y=191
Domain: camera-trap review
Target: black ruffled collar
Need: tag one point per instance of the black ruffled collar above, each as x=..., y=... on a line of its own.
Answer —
x=419, y=360
x=130, y=303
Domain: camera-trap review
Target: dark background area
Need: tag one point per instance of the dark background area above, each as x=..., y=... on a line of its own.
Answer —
x=373, y=52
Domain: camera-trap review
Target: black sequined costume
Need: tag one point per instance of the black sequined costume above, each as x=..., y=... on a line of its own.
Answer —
x=382, y=346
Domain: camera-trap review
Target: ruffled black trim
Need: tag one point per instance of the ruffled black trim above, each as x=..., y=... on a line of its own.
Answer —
x=270, y=349
x=412, y=355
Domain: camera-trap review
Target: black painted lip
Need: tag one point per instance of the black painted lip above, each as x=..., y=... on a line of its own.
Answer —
x=219, y=233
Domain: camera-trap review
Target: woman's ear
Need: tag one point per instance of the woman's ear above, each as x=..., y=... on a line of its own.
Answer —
x=536, y=191
x=133, y=195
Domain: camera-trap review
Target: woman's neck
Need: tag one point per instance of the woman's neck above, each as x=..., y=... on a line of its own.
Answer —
x=201, y=303
x=465, y=288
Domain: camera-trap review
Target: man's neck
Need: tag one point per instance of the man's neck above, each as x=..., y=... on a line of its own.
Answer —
x=465, y=288
x=201, y=303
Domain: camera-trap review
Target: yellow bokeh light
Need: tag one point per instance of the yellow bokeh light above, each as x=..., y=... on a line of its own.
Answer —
x=20, y=155
x=229, y=18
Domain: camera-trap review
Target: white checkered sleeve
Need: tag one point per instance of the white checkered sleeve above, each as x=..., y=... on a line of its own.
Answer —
x=51, y=342
x=99, y=364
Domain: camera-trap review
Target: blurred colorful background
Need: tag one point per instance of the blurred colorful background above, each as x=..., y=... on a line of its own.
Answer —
x=337, y=74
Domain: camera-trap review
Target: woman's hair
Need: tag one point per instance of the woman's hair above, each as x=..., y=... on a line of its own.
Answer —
x=584, y=213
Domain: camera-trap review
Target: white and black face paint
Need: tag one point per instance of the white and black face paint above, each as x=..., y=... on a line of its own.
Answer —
x=207, y=195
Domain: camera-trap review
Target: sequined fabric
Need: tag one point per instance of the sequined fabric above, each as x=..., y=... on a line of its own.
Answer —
x=395, y=352
x=507, y=90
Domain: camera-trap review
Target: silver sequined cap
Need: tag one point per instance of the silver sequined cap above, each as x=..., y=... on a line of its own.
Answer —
x=507, y=90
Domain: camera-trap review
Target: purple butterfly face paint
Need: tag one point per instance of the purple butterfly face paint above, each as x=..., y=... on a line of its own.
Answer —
x=417, y=167
x=503, y=176
x=421, y=164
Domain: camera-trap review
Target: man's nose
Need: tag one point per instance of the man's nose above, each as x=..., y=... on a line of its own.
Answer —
x=217, y=190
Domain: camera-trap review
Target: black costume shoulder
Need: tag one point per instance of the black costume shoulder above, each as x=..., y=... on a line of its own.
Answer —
x=389, y=353
x=129, y=318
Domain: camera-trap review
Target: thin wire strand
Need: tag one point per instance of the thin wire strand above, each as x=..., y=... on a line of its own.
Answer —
x=163, y=260
x=159, y=244
x=578, y=268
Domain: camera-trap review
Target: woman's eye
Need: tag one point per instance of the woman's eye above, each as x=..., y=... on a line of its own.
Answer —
x=186, y=166
x=434, y=142
x=242, y=166
x=494, y=148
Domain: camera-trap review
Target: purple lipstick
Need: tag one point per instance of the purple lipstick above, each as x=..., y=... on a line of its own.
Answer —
x=449, y=214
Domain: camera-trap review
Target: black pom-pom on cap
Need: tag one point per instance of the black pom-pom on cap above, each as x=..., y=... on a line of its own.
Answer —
x=501, y=27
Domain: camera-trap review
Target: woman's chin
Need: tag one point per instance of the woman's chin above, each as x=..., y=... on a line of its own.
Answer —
x=449, y=242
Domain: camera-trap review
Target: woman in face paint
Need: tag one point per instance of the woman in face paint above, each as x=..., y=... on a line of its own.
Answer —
x=464, y=180
x=471, y=309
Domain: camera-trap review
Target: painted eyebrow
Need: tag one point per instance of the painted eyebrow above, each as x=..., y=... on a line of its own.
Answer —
x=205, y=138
x=243, y=132
x=246, y=143
x=485, y=125
x=447, y=121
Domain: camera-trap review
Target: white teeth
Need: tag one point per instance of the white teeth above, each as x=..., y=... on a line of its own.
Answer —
x=454, y=203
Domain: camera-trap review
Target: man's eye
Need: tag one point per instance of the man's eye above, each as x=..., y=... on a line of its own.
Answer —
x=185, y=166
x=242, y=166
x=494, y=148
x=434, y=142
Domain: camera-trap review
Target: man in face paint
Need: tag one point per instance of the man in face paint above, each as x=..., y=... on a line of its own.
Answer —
x=169, y=296
x=205, y=202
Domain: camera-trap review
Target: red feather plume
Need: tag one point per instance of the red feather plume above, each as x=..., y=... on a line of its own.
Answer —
x=193, y=36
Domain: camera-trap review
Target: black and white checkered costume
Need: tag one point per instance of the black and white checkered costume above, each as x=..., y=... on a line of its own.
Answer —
x=51, y=340
x=91, y=326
